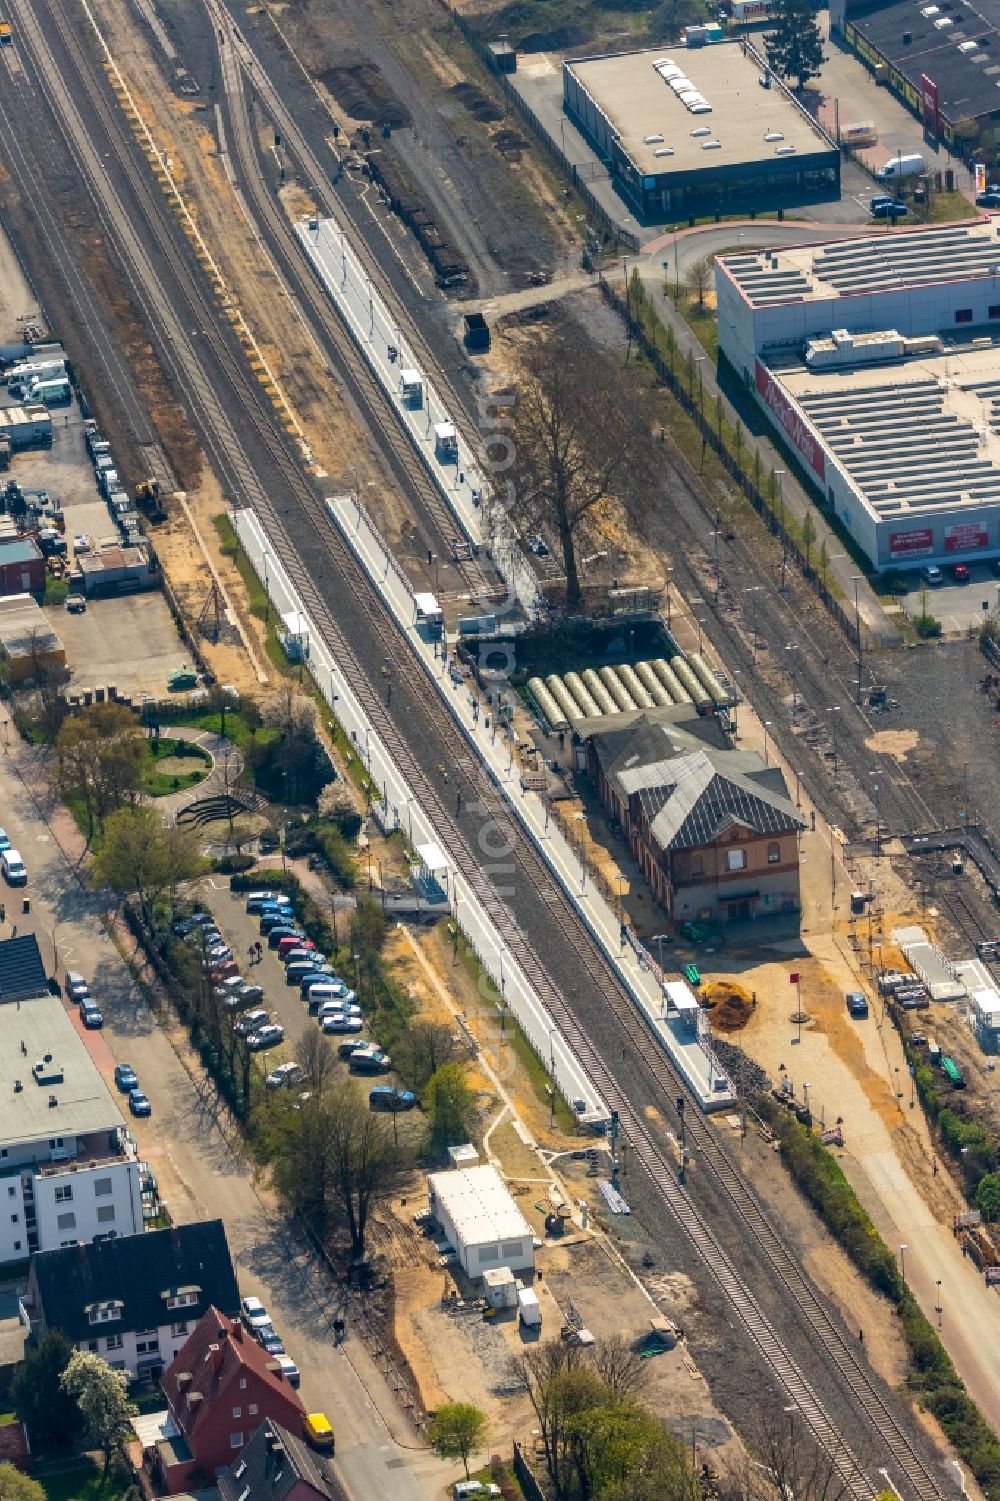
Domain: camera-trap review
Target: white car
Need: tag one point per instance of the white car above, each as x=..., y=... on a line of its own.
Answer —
x=254, y=1314
x=338, y=1008
x=285, y=1075
x=82, y=542
x=340, y=1021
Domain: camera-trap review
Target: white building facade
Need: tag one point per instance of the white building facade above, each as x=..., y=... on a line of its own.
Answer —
x=481, y=1219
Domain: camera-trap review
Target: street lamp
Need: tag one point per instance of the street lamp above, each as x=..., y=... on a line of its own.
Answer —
x=856, y=579
x=767, y=726
x=902, y=1260
x=660, y=939
x=779, y=475
x=790, y=647
x=834, y=709
x=937, y=1306
x=805, y=1090
x=267, y=589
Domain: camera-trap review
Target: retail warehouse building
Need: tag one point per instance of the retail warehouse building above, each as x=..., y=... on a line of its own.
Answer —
x=940, y=57
x=878, y=360
x=690, y=129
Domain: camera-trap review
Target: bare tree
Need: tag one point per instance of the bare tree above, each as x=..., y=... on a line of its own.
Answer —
x=316, y=1056
x=576, y=436
x=781, y=1461
x=698, y=279
x=366, y=1165
x=620, y=1366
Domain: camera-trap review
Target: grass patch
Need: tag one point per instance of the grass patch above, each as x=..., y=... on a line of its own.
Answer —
x=236, y=728
x=56, y=591
x=80, y=1485
x=157, y=783
x=946, y=207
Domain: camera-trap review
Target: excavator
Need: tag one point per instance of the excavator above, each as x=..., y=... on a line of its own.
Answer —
x=147, y=498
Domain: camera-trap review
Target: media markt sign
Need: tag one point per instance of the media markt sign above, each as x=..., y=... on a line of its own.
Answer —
x=791, y=421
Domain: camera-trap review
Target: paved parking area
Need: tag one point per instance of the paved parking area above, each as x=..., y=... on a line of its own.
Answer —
x=131, y=642
x=957, y=606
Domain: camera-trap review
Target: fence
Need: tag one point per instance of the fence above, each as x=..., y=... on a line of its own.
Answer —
x=525, y=1476
x=735, y=470
x=552, y=147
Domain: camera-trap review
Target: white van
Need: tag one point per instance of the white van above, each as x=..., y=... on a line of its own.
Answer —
x=14, y=872
x=901, y=166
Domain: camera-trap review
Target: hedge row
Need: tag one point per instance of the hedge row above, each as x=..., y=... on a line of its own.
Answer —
x=932, y=1376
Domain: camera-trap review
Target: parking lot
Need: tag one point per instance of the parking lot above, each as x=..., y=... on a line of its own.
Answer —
x=131, y=642
x=959, y=607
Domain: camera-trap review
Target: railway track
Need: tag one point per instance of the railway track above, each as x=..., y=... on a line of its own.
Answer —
x=293, y=491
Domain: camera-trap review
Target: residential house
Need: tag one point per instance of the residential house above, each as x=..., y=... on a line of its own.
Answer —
x=276, y=1465
x=68, y=1166
x=135, y=1299
x=219, y=1387
x=712, y=827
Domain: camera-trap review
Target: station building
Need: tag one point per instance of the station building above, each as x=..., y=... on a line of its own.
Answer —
x=695, y=129
x=878, y=361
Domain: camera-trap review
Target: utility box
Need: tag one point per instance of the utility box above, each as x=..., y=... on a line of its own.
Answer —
x=445, y=440
x=499, y=1287
x=502, y=57
x=477, y=332
x=529, y=1309
x=412, y=387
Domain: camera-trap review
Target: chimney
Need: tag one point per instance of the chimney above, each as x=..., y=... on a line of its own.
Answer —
x=215, y=1356
x=194, y=1400
x=237, y=1333
x=222, y=1333
x=183, y=1380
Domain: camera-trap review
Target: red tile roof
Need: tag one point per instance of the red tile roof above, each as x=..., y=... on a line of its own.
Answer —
x=217, y=1352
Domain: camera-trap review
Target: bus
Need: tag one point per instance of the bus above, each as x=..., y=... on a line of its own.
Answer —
x=952, y=1073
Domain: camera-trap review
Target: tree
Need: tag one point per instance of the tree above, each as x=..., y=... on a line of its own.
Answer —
x=48, y=1413
x=988, y=1197
x=782, y=1459
x=808, y=533
x=422, y=1049
x=141, y=854
x=450, y=1106
x=102, y=1397
x=795, y=46
x=16, y=1486
x=698, y=279
x=573, y=444
x=336, y=797
x=824, y=560
x=366, y=1165
x=101, y=757
x=316, y=1056
x=457, y=1431
x=623, y=1452
x=620, y=1367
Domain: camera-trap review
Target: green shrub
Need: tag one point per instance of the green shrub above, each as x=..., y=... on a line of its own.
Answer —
x=229, y=864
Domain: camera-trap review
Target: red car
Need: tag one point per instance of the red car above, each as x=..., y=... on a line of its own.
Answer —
x=960, y=573
x=223, y=971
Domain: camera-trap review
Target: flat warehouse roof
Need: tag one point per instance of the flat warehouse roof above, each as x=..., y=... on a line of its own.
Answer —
x=639, y=102
x=876, y=263
x=917, y=438
x=939, y=34
x=479, y=1205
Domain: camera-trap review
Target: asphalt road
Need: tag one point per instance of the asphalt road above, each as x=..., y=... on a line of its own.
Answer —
x=187, y=1143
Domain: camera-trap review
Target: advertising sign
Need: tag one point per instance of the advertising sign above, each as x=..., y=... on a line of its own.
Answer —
x=980, y=171
x=791, y=421
x=930, y=103
x=915, y=544
x=966, y=537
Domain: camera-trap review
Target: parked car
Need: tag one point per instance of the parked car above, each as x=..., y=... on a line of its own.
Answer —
x=222, y=972
x=289, y=1370
x=76, y=986
x=291, y=945
x=126, y=1078
x=139, y=1104
x=890, y=209
x=341, y=1021
x=252, y=1022
x=857, y=1004
x=187, y=925
x=76, y=604
x=301, y=969
x=321, y=974
x=351, y=1045
x=989, y=199
x=932, y=575
x=329, y=990
x=388, y=1097
x=960, y=573
x=279, y=917
x=253, y=1314
x=229, y=986
x=339, y=1008
x=370, y=1061
x=285, y=1076
x=258, y=899
x=91, y=1014
x=270, y=1340
x=4, y=841
x=266, y=1037
x=283, y=930
x=243, y=997
x=14, y=870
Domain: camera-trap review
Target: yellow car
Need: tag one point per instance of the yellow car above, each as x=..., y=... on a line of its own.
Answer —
x=319, y=1431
